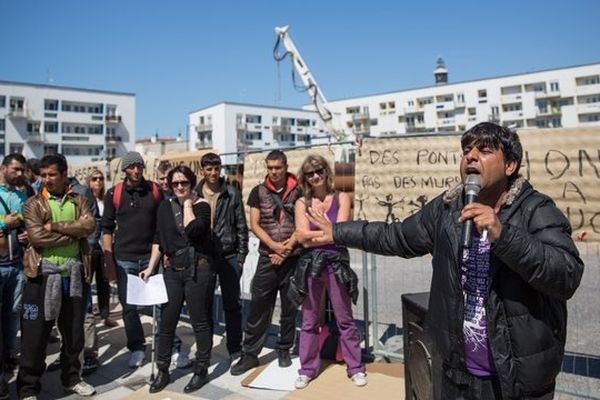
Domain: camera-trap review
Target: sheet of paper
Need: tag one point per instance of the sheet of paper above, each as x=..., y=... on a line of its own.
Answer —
x=276, y=378
x=149, y=293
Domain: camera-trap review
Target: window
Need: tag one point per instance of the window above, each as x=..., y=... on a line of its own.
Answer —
x=51, y=105
x=51, y=127
x=2, y=125
x=411, y=103
x=2, y=101
x=472, y=111
x=17, y=104
x=253, y=119
x=391, y=104
x=373, y=122
x=460, y=98
x=482, y=94
x=382, y=106
x=50, y=149
x=554, y=86
x=33, y=127
x=15, y=148
x=353, y=110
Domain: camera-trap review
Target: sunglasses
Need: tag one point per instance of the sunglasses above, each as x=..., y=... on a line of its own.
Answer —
x=180, y=183
x=97, y=178
x=319, y=171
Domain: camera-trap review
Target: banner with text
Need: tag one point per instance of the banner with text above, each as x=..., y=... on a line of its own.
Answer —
x=396, y=177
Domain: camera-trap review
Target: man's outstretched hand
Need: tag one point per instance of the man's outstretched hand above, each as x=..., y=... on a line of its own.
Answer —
x=318, y=218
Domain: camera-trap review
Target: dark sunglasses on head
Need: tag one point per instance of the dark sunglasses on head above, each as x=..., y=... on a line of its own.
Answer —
x=180, y=183
x=319, y=171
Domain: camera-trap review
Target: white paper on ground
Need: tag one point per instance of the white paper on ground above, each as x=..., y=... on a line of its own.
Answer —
x=275, y=378
x=141, y=293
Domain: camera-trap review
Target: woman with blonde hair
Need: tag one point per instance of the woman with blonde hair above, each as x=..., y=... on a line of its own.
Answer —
x=323, y=268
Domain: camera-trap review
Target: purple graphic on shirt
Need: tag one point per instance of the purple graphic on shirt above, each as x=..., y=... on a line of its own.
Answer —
x=474, y=279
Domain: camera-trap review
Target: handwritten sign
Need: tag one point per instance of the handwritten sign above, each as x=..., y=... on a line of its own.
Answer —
x=396, y=177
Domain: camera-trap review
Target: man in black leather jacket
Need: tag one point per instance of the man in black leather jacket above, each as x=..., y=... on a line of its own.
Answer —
x=230, y=235
x=498, y=308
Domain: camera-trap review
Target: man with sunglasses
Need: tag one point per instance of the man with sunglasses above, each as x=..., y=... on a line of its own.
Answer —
x=127, y=238
x=272, y=221
x=230, y=234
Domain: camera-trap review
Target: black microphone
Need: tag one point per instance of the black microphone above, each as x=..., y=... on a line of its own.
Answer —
x=472, y=188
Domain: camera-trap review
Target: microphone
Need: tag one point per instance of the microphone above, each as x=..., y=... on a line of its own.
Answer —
x=472, y=188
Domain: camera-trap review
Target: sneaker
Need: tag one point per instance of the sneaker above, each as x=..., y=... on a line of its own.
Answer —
x=90, y=365
x=181, y=360
x=137, y=358
x=29, y=398
x=246, y=363
x=82, y=389
x=359, y=379
x=301, y=381
x=283, y=358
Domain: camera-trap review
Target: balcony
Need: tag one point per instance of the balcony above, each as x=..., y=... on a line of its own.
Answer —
x=413, y=109
x=18, y=113
x=511, y=115
x=360, y=130
x=544, y=111
x=495, y=118
x=113, y=140
x=360, y=116
x=588, y=89
x=204, y=128
x=511, y=98
x=35, y=137
x=444, y=106
x=241, y=126
x=589, y=108
x=282, y=129
x=112, y=119
x=447, y=122
x=546, y=94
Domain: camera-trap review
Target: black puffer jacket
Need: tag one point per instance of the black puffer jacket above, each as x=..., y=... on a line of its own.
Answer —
x=230, y=232
x=311, y=264
x=534, y=268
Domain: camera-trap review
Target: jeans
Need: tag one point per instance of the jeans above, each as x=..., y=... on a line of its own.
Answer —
x=195, y=285
x=131, y=316
x=230, y=272
x=12, y=281
x=309, y=348
x=268, y=280
x=35, y=331
x=177, y=342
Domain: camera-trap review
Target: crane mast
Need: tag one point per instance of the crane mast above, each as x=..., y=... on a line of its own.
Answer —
x=308, y=80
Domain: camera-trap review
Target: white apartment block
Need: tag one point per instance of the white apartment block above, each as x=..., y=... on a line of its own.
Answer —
x=232, y=128
x=564, y=97
x=84, y=125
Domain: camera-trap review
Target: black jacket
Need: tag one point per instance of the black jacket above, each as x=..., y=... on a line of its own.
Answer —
x=133, y=224
x=230, y=232
x=534, y=268
x=311, y=264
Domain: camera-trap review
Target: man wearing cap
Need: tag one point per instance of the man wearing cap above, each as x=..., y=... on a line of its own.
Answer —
x=128, y=226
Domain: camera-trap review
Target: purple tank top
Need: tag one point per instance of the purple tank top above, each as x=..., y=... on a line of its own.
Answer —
x=332, y=214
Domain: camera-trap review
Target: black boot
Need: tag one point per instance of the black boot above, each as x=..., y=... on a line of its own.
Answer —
x=283, y=358
x=161, y=381
x=199, y=379
x=247, y=362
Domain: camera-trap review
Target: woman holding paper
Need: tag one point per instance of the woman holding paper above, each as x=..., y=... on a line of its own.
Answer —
x=183, y=235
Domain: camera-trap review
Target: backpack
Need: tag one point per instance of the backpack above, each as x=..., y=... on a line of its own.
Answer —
x=119, y=190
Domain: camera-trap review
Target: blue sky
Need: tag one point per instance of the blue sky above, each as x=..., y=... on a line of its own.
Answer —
x=179, y=56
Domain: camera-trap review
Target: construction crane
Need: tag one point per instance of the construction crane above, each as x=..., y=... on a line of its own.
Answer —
x=309, y=82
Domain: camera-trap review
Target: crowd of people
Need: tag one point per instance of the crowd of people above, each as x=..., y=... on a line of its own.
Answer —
x=498, y=305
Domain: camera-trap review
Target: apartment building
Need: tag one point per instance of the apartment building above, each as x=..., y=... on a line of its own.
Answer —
x=563, y=97
x=84, y=125
x=232, y=128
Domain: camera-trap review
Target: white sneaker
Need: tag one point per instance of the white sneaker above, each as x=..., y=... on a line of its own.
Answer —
x=82, y=389
x=180, y=360
x=359, y=379
x=137, y=358
x=301, y=381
